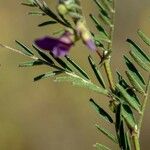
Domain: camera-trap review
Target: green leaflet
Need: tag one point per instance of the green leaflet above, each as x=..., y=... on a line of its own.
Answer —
x=47, y=75
x=78, y=81
x=99, y=146
x=122, y=140
x=25, y=49
x=43, y=6
x=39, y=13
x=97, y=72
x=118, y=117
x=30, y=3
x=128, y=88
x=76, y=66
x=43, y=55
x=108, y=5
x=134, y=76
x=62, y=63
x=135, y=82
x=123, y=113
x=47, y=23
x=31, y=63
x=139, y=56
x=144, y=37
x=129, y=99
x=102, y=31
x=101, y=111
x=132, y=68
x=101, y=6
x=101, y=37
x=107, y=133
x=127, y=114
x=106, y=19
x=128, y=141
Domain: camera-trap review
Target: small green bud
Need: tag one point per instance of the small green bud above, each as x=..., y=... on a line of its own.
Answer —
x=62, y=9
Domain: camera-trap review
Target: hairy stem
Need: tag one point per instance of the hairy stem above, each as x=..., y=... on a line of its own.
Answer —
x=107, y=64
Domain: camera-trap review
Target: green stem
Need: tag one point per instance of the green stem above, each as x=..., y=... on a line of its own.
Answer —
x=136, y=143
x=144, y=104
x=107, y=63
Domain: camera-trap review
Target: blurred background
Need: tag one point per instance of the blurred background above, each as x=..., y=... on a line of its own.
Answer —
x=50, y=116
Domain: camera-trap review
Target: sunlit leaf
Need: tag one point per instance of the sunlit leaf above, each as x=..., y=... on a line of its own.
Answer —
x=78, y=81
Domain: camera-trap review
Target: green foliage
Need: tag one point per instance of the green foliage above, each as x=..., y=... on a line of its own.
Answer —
x=125, y=98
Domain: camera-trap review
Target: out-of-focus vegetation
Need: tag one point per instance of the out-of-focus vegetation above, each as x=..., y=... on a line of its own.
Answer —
x=47, y=115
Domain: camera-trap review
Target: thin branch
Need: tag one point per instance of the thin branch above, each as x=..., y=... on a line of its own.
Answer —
x=18, y=51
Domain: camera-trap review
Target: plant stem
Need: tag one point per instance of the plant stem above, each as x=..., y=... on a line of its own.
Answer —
x=136, y=143
x=135, y=136
x=107, y=63
x=144, y=104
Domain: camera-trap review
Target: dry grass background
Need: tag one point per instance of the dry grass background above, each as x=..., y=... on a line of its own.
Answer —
x=52, y=116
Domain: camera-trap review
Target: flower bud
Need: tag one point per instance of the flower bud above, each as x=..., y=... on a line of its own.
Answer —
x=62, y=9
x=85, y=35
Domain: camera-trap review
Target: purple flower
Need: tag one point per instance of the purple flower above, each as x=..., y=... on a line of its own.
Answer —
x=58, y=46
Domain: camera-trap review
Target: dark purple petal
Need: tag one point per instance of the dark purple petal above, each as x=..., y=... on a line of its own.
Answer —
x=56, y=46
x=47, y=43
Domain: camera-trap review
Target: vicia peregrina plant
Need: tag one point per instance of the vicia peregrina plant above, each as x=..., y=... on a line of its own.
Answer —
x=127, y=99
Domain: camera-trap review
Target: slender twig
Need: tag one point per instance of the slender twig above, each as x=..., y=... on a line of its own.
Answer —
x=146, y=95
x=31, y=57
x=18, y=51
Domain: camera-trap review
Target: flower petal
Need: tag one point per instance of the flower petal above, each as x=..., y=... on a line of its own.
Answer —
x=47, y=43
x=54, y=45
